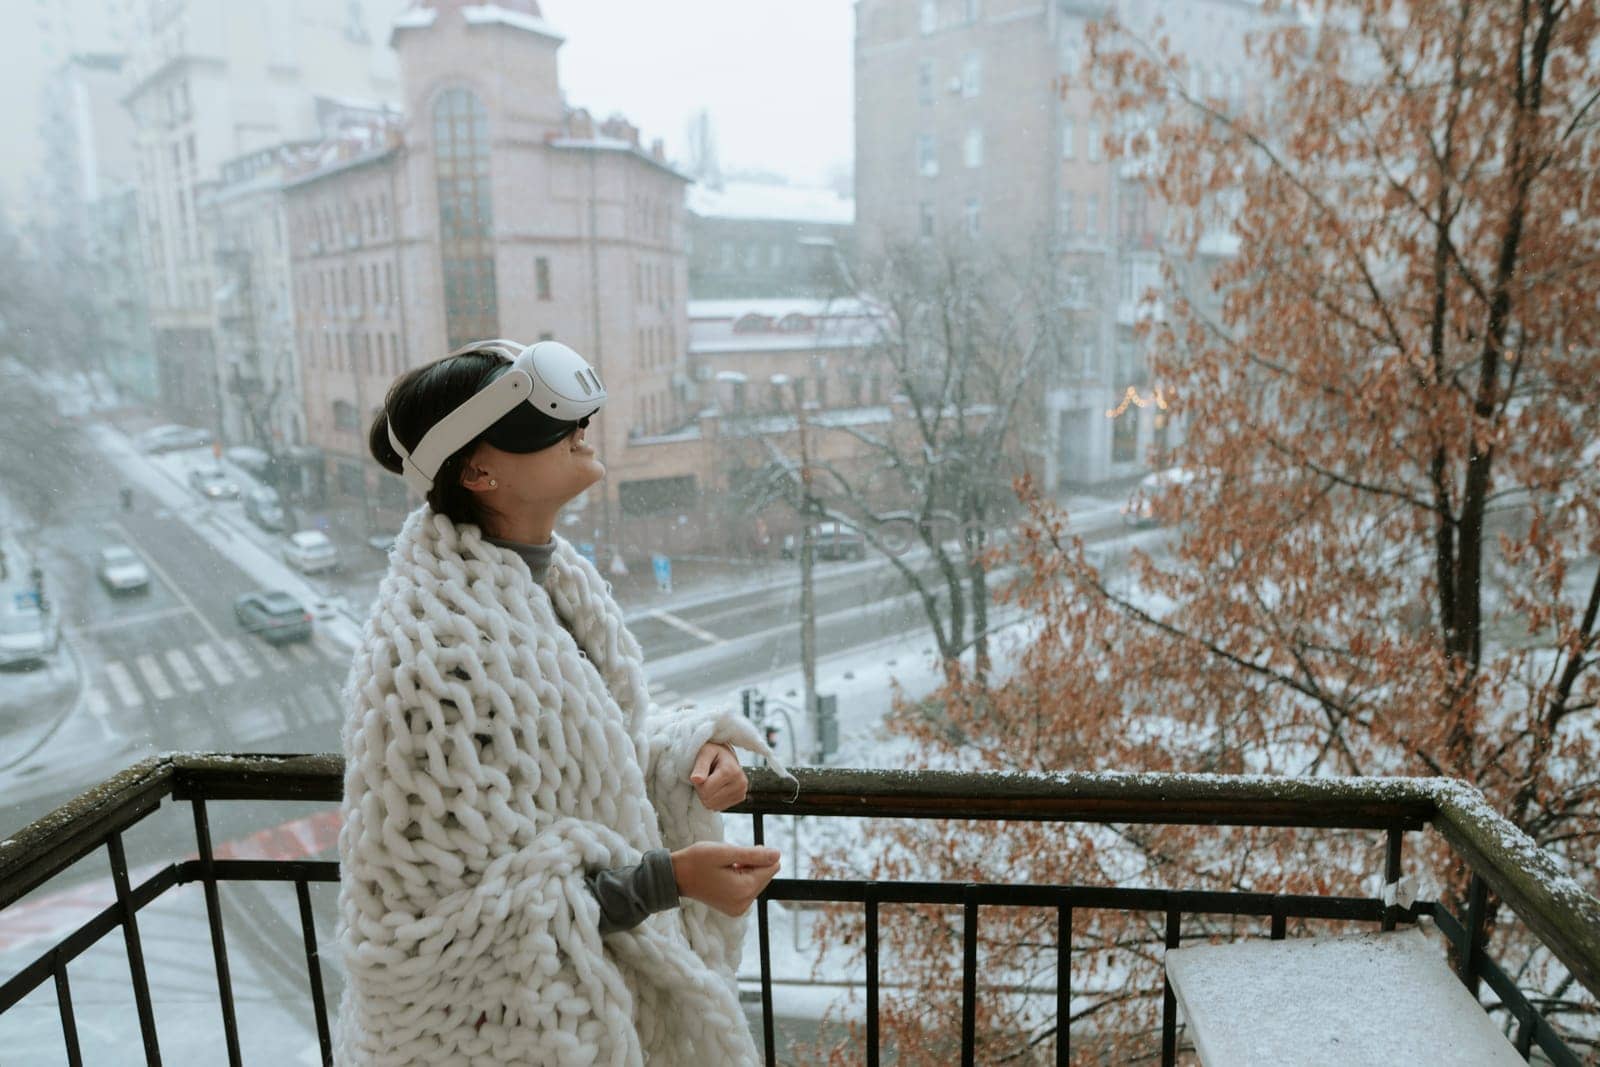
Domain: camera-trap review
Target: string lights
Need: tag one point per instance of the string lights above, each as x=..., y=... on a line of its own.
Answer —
x=1132, y=397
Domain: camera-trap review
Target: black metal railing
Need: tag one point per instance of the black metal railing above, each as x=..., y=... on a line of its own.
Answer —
x=1501, y=859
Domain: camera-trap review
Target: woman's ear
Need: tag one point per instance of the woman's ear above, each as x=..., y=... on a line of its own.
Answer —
x=474, y=475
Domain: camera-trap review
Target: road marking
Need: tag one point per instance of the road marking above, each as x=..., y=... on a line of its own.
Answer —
x=258, y=726
x=236, y=650
x=154, y=678
x=123, y=683
x=688, y=627
x=188, y=677
x=300, y=652
x=207, y=655
x=127, y=620
x=177, y=590
x=98, y=705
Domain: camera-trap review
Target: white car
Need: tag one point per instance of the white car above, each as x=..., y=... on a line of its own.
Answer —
x=310, y=550
x=1138, y=510
x=213, y=483
x=121, y=570
x=171, y=438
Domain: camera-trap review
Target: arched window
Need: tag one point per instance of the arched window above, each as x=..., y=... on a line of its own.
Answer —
x=466, y=218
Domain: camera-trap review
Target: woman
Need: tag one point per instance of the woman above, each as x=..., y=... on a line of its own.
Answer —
x=514, y=808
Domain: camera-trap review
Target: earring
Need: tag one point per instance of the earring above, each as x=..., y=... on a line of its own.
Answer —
x=493, y=483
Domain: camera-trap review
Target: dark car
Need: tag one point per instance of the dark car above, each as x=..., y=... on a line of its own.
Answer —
x=275, y=615
x=262, y=507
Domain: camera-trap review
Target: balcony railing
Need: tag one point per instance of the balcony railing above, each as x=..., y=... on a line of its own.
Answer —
x=1501, y=859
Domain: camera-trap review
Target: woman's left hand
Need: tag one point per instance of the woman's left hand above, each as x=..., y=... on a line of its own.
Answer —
x=717, y=777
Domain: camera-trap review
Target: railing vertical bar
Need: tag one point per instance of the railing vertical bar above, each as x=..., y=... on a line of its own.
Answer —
x=1063, y=984
x=768, y=1038
x=69, y=1024
x=969, y=978
x=1525, y=1030
x=130, y=932
x=1391, y=874
x=1169, y=1000
x=1280, y=923
x=872, y=974
x=219, y=945
x=308, y=928
x=1472, y=934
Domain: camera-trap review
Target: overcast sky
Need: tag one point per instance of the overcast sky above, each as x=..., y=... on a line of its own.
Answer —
x=776, y=75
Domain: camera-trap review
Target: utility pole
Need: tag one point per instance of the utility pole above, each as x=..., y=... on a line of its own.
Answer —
x=808, y=615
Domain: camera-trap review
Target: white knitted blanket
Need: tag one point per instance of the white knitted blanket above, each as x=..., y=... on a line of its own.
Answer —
x=491, y=761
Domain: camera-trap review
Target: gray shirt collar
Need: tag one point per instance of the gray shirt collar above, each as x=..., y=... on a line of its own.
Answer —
x=537, y=557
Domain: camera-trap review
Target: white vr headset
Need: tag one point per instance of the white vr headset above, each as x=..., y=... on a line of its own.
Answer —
x=545, y=392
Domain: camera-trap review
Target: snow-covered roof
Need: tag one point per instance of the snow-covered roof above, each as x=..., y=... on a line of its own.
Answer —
x=494, y=14
x=615, y=144
x=732, y=376
x=776, y=307
x=784, y=203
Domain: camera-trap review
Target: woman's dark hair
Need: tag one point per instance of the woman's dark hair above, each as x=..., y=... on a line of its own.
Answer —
x=416, y=401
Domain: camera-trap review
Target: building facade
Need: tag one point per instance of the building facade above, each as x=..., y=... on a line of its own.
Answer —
x=752, y=239
x=209, y=81
x=976, y=118
x=491, y=209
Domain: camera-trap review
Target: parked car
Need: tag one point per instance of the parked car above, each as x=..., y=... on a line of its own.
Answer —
x=213, y=483
x=310, y=550
x=834, y=540
x=383, y=542
x=1138, y=511
x=249, y=459
x=28, y=631
x=262, y=507
x=172, y=437
x=274, y=615
x=122, y=571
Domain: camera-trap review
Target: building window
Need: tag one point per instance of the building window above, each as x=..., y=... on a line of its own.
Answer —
x=1069, y=138
x=927, y=155
x=1091, y=215
x=925, y=219
x=1066, y=211
x=925, y=82
x=466, y=221
x=541, y=274
x=1091, y=151
x=974, y=147
x=974, y=216
x=930, y=16
x=972, y=74
x=345, y=419
x=972, y=10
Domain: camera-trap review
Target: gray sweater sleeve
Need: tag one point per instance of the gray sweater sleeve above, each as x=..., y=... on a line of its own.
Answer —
x=628, y=895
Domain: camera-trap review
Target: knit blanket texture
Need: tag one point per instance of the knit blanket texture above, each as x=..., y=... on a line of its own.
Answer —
x=492, y=758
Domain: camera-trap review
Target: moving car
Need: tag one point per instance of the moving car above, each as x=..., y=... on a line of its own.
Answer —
x=28, y=631
x=310, y=550
x=213, y=483
x=273, y=614
x=122, y=571
x=172, y=437
x=833, y=540
x=262, y=507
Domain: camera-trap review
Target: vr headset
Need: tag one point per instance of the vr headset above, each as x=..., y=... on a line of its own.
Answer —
x=541, y=395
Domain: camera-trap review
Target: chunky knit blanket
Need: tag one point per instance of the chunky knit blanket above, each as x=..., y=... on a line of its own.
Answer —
x=492, y=759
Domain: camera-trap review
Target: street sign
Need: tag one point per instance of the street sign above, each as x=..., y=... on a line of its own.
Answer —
x=663, y=568
x=26, y=599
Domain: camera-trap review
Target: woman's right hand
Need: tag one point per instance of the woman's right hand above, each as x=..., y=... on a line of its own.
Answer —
x=725, y=877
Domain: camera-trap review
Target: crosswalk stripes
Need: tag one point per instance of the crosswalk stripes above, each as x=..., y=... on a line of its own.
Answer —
x=235, y=650
x=188, y=677
x=96, y=702
x=276, y=660
x=212, y=662
x=258, y=726
x=151, y=671
x=123, y=683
